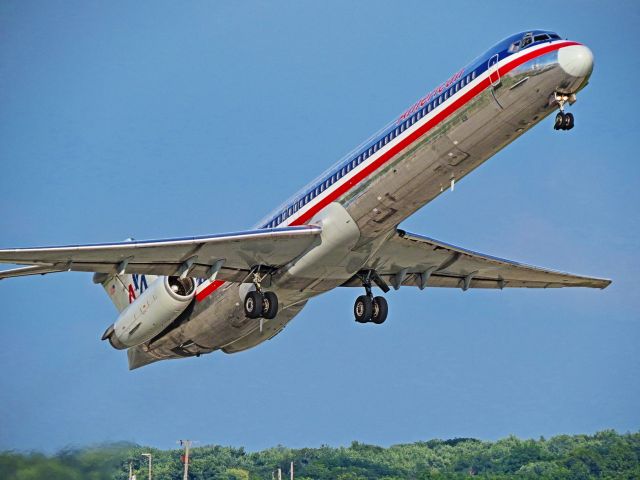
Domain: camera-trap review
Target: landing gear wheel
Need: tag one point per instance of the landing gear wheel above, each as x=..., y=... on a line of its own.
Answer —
x=253, y=303
x=269, y=305
x=559, y=123
x=363, y=308
x=380, y=310
x=568, y=121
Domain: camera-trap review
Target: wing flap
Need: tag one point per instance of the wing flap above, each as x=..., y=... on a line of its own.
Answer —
x=415, y=260
x=239, y=251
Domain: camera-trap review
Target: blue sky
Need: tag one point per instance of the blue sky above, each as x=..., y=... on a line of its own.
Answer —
x=159, y=119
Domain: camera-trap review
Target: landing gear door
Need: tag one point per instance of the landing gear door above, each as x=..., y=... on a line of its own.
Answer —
x=494, y=74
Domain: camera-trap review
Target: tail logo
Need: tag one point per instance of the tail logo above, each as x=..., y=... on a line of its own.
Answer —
x=139, y=285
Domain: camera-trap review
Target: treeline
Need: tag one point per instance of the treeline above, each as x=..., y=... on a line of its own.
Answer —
x=606, y=455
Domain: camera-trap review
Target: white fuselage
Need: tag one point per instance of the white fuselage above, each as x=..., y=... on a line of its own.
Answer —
x=441, y=139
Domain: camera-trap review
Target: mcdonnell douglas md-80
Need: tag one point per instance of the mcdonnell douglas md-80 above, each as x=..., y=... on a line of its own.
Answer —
x=185, y=297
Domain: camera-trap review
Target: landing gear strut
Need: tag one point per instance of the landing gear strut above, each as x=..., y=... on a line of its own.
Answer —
x=368, y=308
x=259, y=304
x=564, y=121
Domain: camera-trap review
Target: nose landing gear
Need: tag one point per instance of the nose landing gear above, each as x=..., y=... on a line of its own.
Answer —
x=564, y=121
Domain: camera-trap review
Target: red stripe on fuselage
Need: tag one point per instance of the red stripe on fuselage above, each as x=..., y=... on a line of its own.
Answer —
x=209, y=289
x=402, y=145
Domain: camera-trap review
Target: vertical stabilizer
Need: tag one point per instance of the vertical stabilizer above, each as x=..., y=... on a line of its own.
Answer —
x=123, y=289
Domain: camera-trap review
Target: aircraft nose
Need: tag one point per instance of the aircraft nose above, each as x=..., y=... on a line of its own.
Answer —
x=576, y=60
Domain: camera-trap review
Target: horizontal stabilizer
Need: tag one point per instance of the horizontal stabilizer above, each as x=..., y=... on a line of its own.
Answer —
x=32, y=270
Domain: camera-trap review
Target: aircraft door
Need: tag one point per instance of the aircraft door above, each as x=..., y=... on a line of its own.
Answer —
x=494, y=74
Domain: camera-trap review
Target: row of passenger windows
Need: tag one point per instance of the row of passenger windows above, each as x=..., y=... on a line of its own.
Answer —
x=389, y=136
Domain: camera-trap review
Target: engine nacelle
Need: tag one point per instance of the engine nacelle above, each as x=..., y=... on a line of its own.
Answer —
x=151, y=312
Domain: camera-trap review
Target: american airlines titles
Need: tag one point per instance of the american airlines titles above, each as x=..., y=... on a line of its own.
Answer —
x=430, y=96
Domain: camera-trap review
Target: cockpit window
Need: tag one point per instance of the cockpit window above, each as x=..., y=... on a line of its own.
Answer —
x=515, y=46
x=554, y=36
x=526, y=40
x=540, y=38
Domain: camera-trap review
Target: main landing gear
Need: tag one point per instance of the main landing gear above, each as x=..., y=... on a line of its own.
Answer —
x=259, y=304
x=368, y=308
x=564, y=121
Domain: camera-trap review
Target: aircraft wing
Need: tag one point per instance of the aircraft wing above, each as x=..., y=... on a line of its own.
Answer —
x=195, y=257
x=414, y=260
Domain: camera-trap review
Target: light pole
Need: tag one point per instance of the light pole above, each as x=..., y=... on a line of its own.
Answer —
x=148, y=455
x=186, y=444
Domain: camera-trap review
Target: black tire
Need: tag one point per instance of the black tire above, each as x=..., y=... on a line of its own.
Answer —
x=559, y=123
x=253, y=304
x=363, y=308
x=380, y=310
x=269, y=305
x=568, y=121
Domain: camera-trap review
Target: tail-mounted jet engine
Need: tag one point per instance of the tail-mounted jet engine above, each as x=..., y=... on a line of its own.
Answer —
x=151, y=312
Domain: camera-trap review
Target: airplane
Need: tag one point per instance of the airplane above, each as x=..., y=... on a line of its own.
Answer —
x=185, y=297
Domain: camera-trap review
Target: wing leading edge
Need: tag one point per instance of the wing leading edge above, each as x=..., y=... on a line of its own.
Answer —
x=414, y=260
x=234, y=254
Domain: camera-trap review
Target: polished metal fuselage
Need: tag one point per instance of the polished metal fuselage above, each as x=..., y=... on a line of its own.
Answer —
x=361, y=220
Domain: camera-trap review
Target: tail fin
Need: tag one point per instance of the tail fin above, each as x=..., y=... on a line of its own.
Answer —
x=123, y=289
